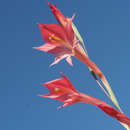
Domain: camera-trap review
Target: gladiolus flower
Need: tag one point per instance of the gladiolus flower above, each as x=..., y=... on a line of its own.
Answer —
x=61, y=41
x=63, y=90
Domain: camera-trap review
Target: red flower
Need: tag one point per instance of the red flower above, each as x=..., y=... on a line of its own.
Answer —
x=62, y=90
x=59, y=41
x=62, y=42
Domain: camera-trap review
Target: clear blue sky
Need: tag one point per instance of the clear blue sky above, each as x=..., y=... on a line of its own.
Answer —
x=104, y=24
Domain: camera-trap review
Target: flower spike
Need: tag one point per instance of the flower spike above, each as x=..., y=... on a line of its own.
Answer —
x=62, y=90
x=83, y=56
x=61, y=40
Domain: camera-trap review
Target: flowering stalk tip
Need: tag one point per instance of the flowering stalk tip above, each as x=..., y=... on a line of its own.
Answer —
x=63, y=40
x=62, y=90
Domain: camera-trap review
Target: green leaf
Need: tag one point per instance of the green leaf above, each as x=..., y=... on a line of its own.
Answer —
x=77, y=33
x=79, y=37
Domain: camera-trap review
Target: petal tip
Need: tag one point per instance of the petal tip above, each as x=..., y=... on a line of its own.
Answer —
x=39, y=95
x=44, y=84
x=40, y=25
x=35, y=48
x=62, y=74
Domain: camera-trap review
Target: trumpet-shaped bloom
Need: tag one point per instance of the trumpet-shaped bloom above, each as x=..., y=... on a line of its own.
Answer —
x=62, y=42
x=63, y=90
x=59, y=41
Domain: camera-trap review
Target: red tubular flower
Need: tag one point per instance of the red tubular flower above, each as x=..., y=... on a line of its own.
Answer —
x=62, y=42
x=59, y=41
x=63, y=90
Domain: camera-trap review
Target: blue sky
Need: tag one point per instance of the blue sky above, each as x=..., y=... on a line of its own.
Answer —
x=105, y=27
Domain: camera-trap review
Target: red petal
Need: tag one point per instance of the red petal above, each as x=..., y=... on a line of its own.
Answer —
x=60, y=56
x=69, y=60
x=64, y=105
x=69, y=84
x=49, y=96
x=60, y=83
x=57, y=87
x=50, y=48
x=69, y=30
x=52, y=29
x=59, y=16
